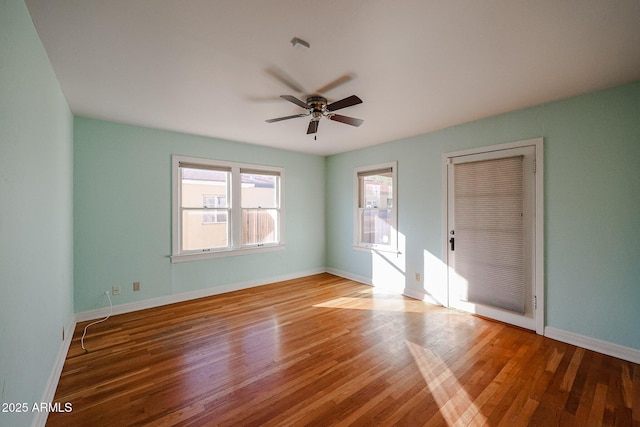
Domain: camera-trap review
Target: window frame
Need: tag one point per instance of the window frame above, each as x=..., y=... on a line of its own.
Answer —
x=357, y=224
x=234, y=217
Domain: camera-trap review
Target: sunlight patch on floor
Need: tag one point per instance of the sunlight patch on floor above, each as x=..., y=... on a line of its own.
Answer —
x=397, y=304
x=456, y=407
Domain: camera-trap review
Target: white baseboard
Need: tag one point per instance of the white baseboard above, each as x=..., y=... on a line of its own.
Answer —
x=411, y=293
x=40, y=418
x=604, y=347
x=422, y=296
x=186, y=296
x=350, y=276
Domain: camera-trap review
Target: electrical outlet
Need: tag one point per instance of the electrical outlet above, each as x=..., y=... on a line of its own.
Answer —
x=136, y=286
x=115, y=290
x=417, y=277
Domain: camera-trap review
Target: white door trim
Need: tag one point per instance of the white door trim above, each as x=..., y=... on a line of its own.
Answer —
x=538, y=262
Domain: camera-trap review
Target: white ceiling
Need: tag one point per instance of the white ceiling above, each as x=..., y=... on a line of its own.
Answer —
x=207, y=67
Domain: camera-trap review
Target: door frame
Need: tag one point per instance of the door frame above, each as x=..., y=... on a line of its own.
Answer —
x=538, y=235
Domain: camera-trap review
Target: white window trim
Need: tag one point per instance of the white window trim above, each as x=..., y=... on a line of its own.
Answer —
x=357, y=245
x=236, y=247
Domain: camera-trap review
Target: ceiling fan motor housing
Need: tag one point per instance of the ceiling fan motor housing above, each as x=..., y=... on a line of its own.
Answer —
x=317, y=106
x=317, y=103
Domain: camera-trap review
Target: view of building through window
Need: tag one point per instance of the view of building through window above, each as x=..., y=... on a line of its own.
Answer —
x=207, y=206
x=375, y=202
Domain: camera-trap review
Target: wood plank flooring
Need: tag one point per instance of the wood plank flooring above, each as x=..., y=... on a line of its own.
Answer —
x=322, y=351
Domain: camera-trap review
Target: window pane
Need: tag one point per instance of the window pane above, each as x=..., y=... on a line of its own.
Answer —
x=259, y=191
x=376, y=191
x=214, y=201
x=204, y=188
x=214, y=216
x=199, y=232
x=375, y=226
x=259, y=226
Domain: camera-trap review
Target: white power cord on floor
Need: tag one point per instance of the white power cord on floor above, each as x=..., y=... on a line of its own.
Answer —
x=96, y=322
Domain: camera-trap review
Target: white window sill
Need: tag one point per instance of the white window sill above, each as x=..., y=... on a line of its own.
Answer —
x=225, y=253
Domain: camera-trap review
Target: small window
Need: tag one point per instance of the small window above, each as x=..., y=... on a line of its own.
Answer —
x=376, y=214
x=223, y=207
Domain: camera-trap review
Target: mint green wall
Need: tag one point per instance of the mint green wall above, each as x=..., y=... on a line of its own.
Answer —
x=36, y=254
x=592, y=207
x=122, y=214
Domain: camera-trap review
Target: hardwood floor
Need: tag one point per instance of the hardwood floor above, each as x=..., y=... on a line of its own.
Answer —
x=322, y=351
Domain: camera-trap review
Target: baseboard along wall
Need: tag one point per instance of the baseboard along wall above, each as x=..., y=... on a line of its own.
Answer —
x=610, y=349
x=40, y=418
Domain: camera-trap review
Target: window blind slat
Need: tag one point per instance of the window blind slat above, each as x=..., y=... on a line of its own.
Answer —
x=489, y=203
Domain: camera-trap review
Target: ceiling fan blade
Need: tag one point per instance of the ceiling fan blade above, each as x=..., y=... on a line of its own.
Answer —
x=343, y=103
x=334, y=84
x=344, y=119
x=295, y=101
x=285, y=79
x=286, y=118
x=313, y=127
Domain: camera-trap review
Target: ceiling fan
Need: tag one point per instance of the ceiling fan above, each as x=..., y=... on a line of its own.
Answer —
x=317, y=107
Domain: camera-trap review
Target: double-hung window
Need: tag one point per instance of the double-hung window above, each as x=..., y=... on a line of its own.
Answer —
x=376, y=207
x=224, y=208
x=260, y=204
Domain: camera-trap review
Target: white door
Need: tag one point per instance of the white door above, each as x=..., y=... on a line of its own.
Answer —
x=491, y=234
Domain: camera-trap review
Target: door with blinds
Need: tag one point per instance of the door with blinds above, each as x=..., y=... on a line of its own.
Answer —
x=491, y=230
